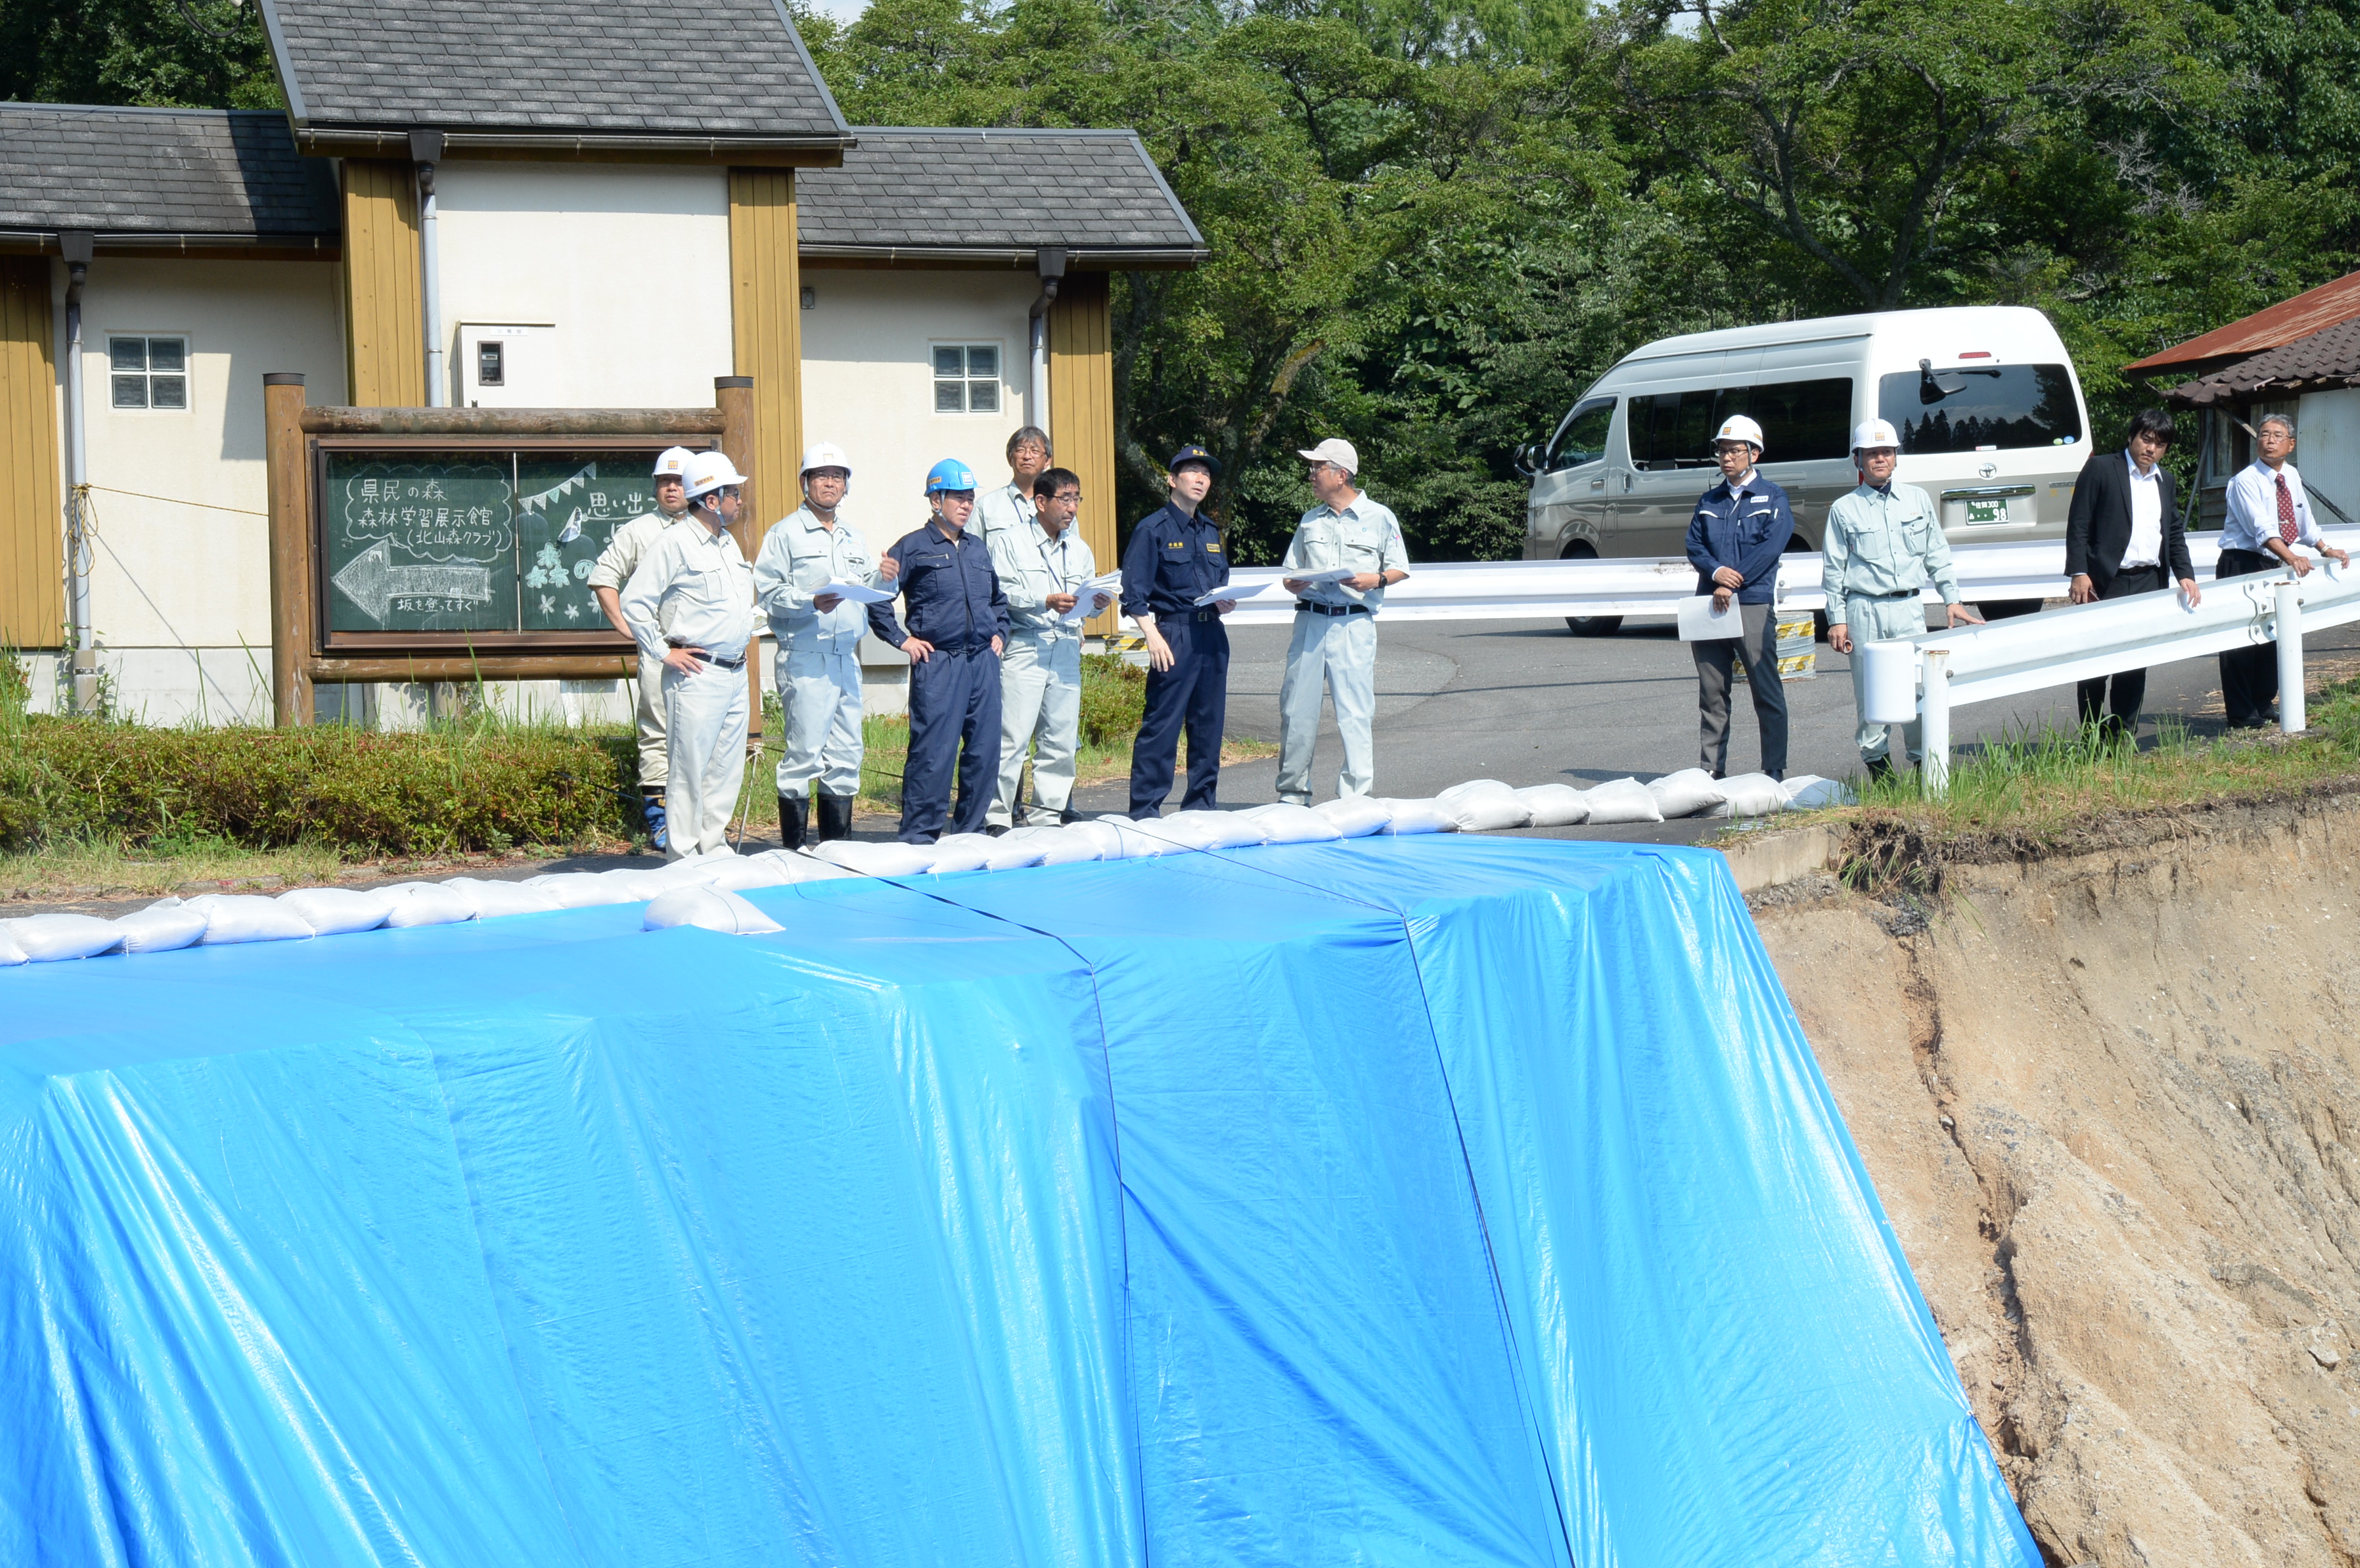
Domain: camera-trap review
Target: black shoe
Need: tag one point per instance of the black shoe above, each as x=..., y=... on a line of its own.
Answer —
x=792, y=814
x=1879, y=767
x=835, y=816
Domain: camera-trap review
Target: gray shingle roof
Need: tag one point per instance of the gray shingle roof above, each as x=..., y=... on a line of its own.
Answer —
x=1096, y=192
x=230, y=175
x=2322, y=361
x=549, y=67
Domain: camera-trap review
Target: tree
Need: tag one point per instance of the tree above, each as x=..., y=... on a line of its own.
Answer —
x=184, y=53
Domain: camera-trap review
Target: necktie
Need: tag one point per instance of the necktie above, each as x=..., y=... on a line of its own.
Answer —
x=2286, y=511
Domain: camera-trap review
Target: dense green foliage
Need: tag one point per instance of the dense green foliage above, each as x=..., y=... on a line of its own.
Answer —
x=439, y=792
x=1432, y=222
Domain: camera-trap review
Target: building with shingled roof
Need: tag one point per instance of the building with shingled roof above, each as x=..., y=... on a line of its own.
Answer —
x=596, y=243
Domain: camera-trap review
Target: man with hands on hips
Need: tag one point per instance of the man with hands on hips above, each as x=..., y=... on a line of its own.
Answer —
x=1174, y=558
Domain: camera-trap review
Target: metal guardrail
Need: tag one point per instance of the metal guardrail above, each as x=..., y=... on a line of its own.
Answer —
x=1927, y=677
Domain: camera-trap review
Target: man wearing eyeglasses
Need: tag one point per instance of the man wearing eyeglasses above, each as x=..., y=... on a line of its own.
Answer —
x=2269, y=515
x=1044, y=569
x=1346, y=551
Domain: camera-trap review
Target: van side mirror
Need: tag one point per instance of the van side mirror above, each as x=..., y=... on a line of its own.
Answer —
x=1527, y=461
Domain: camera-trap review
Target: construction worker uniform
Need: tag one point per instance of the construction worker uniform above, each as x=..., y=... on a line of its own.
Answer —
x=1743, y=525
x=625, y=549
x=819, y=654
x=694, y=589
x=1171, y=561
x=955, y=604
x=1007, y=510
x=1335, y=642
x=1883, y=547
x=1041, y=672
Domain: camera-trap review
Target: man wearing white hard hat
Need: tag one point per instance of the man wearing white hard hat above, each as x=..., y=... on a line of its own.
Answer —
x=689, y=607
x=819, y=637
x=1883, y=546
x=1739, y=528
x=625, y=548
x=1346, y=551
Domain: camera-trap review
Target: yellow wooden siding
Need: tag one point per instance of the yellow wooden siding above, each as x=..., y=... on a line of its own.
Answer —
x=32, y=524
x=385, y=341
x=1081, y=409
x=766, y=322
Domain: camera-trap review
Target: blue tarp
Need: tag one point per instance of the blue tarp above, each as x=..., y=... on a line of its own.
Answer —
x=1426, y=1201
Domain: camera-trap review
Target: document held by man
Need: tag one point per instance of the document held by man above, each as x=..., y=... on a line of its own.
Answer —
x=1089, y=599
x=854, y=592
x=1699, y=622
x=1217, y=595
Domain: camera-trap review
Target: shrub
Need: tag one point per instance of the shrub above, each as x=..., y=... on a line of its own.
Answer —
x=433, y=791
x=1114, y=695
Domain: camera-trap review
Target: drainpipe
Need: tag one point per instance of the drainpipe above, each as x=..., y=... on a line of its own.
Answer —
x=426, y=151
x=77, y=247
x=1050, y=261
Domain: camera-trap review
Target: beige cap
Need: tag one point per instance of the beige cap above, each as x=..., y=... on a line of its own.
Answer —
x=1336, y=451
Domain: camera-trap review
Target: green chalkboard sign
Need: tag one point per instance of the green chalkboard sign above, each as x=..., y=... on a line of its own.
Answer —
x=488, y=543
x=420, y=541
x=570, y=507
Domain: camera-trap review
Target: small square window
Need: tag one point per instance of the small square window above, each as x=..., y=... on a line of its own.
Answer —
x=966, y=379
x=148, y=372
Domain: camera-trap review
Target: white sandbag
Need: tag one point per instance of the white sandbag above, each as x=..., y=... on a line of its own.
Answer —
x=494, y=898
x=248, y=917
x=744, y=871
x=1010, y=853
x=1810, y=792
x=1554, y=805
x=798, y=866
x=1354, y=816
x=162, y=926
x=709, y=909
x=632, y=885
x=428, y=904
x=1211, y=829
x=1622, y=800
x=690, y=870
x=583, y=889
x=961, y=852
x=878, y=859
x=1750, y=795
x=1485, y=805
x=335, y=911
x=1419, y=817
x=1059, y=846
x=46, y=939
x=1286, y=822
x=1103, y=838
x=11, y=955
x=1138, y=840
x=1689, y=792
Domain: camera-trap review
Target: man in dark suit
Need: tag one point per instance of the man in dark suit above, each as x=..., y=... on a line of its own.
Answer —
x=2121, y=536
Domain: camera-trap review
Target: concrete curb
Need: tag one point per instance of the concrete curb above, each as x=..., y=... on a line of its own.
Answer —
x=1762, y=860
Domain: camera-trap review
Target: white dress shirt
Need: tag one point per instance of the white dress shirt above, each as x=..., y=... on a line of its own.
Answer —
x=2253, y=509
x=2146, y=547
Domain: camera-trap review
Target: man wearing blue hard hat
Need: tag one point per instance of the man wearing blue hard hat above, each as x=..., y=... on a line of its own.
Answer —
x=957, y=625
x=1171, y=569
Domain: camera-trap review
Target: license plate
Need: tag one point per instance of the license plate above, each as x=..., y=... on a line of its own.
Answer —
x=1989, y=509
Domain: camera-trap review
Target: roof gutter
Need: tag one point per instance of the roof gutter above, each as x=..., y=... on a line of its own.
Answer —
x=353, y=141
x=1078, y=259
x=141, y=239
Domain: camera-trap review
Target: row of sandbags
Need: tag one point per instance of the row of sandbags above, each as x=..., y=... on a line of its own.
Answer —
x=703, y=891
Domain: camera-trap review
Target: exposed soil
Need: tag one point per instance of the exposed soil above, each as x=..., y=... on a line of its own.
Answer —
x=2111, y=1100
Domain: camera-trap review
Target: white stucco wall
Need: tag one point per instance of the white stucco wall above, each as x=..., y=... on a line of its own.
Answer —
x=630, y=263
x=181, y=573
x=869, y=382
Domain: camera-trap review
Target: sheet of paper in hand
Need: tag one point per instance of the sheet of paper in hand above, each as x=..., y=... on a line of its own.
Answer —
x=1701, y=623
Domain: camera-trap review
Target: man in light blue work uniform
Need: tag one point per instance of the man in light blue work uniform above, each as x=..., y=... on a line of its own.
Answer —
x=1884, y=543
x=1044, y=569
x=1739, y=529
x=819, y=646
x=958, y=626
x=1010, y=509
x=1335, y=639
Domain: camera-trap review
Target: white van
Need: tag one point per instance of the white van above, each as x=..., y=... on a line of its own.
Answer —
x=1992, y=420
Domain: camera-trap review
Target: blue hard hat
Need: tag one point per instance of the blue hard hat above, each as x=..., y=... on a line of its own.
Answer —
x=950, y=474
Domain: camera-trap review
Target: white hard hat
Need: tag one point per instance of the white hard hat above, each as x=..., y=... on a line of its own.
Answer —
x=673, y=462
x=1873, y=433
x=825, y=454
x=1335, y=450
x=708, y=472
x=1737, y=427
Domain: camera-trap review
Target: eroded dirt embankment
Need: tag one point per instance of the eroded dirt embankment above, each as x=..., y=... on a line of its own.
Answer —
x=2111, y=1103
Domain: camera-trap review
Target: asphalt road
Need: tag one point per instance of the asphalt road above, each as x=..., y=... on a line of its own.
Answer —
x=1529, y=702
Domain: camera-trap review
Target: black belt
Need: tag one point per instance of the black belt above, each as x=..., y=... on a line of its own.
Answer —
x=738, y=663
x=1331, y=609
x=1896, y=593
x=1198, y=616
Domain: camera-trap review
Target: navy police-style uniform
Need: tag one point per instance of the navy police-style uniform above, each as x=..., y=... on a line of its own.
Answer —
x=954, y=602
x=1174, y=560
x=1746, y=525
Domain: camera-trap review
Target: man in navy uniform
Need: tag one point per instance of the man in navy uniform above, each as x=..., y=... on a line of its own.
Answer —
x=1739, y=528
x=1175, y=559
x=958, y=624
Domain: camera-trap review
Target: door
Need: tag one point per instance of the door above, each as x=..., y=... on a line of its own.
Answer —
x=1569, y=488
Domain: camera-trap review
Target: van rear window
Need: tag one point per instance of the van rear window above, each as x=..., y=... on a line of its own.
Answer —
x=1802, y=421
x=1999, y=409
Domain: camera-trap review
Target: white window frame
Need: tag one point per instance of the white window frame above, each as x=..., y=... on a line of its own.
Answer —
x=996, y=380
x=148, y=375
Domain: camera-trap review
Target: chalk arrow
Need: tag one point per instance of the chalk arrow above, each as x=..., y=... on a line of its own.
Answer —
x=372, y=581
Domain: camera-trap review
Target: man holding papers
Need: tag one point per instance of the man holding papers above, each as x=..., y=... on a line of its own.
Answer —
x=1049, y=575
x=1344, y=552
x=1173, y=572
x=808, y=563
